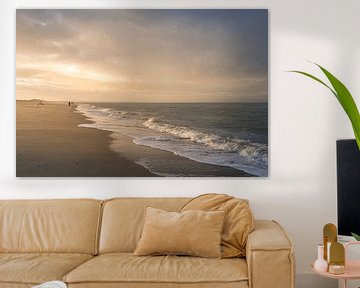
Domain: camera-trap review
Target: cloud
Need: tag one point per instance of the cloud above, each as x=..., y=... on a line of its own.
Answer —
x=142, y=55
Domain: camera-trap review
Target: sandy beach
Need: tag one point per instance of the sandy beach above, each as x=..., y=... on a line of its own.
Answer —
x=50, y=144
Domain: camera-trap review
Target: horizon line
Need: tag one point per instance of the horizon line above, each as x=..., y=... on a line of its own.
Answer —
x=127, y=102
x=149, y=102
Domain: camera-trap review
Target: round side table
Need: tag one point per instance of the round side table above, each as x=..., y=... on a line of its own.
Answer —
x=352, y=269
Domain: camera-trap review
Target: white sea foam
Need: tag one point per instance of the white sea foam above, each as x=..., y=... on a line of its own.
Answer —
x=107, y=118
x=198, y=153
x=245, y=148
x=201, y=146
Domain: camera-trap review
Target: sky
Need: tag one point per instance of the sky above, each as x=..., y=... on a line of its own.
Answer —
x=146, y=55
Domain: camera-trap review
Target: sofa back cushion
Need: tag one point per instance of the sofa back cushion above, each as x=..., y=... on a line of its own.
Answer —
x=66, y=226
x=238, y=224
x=123, y=220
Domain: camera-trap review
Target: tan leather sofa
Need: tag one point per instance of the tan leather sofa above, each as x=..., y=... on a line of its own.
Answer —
x=89, y=243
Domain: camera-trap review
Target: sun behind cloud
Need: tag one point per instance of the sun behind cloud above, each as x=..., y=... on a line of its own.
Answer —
x=142, y=55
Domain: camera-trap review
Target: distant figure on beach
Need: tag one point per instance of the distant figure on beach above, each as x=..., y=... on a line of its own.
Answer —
x=41, y=102
x=69, y=103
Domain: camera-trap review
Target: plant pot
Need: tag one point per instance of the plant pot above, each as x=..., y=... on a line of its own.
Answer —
x=348, y=187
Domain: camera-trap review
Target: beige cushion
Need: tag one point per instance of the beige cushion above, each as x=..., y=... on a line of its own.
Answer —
x=63, y=226
x=193, y=232
x=123, y=220
x=35, y=268
x=126, y=268
x=15, y=285
x=239, y=220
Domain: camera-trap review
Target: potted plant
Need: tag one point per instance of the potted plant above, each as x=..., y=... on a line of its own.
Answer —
x=346, y=100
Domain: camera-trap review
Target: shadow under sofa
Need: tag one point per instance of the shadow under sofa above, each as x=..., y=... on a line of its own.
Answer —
x=90, y=243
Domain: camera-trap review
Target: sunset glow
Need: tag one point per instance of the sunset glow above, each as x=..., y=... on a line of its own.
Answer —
x=133, y=56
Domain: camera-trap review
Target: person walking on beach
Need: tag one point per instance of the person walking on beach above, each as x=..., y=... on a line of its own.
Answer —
x=69, y=103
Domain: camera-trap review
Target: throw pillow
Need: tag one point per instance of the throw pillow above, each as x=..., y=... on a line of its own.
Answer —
x=196, y=233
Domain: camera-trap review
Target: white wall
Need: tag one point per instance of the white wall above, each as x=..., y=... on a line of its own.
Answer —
x=305, y=120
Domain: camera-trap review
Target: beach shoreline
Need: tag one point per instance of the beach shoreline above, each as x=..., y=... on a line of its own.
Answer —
x=181, y=166
x=51, y=143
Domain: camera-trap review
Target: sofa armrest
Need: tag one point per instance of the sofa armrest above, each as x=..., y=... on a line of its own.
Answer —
x=269, y=256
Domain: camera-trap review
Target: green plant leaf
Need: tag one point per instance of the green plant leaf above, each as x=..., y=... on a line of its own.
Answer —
x=356, y=236
x=316, y=79
x=347, y=102
x=344, y=97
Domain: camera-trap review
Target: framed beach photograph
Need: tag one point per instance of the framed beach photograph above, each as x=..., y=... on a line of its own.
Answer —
x=142, y=92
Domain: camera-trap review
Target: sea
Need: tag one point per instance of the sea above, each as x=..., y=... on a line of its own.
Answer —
x=226, y=134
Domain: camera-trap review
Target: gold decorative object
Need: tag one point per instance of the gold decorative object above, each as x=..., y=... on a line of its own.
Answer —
x=337, y=253
x=337, y=258
x=336, y=269
x=330, y=236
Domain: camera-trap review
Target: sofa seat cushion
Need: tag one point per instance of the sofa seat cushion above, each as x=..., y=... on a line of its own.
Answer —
x=242, y=284
x=125, y=267
x=36, y=268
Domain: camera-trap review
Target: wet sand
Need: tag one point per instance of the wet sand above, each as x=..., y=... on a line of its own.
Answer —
x=50, y=144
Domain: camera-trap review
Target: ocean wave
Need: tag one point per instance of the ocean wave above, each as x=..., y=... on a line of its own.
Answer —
x=91, y=110
x=245, y=148
x=152, y=129
x=109, y=116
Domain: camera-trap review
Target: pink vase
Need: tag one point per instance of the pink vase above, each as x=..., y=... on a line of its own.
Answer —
x=320, y=264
